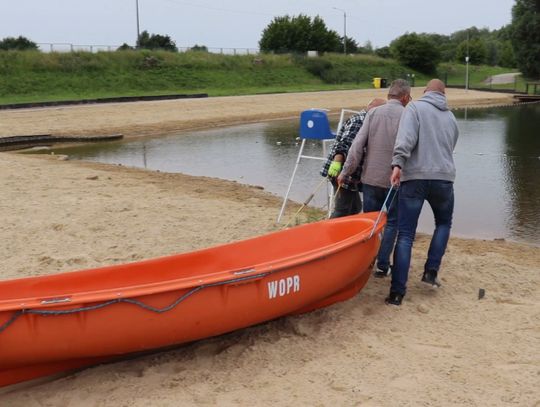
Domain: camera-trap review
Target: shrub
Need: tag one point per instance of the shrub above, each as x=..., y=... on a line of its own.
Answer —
x=125, y=47
x=416, y=52
x=20, y=44
x=201, y=48
x=156, y=41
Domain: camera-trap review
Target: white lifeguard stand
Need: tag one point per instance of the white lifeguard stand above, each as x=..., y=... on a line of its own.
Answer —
x=314, y=125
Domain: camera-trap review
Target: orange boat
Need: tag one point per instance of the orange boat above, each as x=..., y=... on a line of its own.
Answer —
x=55, y=323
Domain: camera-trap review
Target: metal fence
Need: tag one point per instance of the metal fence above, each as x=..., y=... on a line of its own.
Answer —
x=68, y=47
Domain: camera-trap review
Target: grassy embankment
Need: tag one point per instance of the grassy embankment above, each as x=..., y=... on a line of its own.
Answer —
x=34, y=76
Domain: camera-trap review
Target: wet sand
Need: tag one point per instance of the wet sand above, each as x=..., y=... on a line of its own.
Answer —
x=441, y=348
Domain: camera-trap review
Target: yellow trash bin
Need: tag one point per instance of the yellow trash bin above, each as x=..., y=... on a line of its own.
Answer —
x=377, y=83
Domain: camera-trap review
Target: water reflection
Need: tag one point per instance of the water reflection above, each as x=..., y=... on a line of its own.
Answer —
x=497, y=158
x=522, y=166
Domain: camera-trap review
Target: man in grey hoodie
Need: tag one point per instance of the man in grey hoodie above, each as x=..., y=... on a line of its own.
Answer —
x=423, y=166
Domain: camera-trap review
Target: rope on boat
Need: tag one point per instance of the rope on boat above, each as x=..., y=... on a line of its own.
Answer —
x=306, y=202
x=384, y=208
x=48, y=312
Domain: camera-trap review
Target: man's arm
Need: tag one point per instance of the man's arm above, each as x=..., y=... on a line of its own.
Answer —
x=395, y=178
x=356, y=151
x=349, y=131
x=343, y=142
x=407, y=136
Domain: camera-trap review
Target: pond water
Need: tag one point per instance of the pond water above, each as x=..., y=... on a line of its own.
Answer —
x=497, y=159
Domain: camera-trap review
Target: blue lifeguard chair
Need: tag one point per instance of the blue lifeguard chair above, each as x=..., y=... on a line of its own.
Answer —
x=314, y=125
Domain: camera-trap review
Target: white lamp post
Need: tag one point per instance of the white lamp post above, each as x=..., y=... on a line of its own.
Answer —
x=467, y=73
x=138, y=32
x=467, y=65
x=344, y=29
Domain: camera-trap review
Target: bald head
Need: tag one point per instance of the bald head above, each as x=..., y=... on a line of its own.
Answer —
x=375, y=102
x=435, y=85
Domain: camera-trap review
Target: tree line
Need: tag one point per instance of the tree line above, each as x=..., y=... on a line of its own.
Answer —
x=514, y=45
x=482, y=47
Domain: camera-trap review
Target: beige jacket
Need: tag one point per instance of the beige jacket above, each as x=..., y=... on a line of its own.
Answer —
x=379, y=132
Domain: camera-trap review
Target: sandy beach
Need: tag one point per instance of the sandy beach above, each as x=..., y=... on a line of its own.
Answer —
x=442, y=347
x=172, y=116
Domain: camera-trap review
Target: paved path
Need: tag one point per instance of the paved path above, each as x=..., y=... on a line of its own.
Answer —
x=502, y=78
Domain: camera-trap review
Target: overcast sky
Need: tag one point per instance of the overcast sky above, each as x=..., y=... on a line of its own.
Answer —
x=237, y=23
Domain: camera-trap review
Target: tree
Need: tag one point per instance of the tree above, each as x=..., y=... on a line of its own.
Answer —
x=156, y=41
x=416, y=52
x=352, y=46
x=299, y=34
x=383, y=52
x=492, y=52
x=445, y=45
x=485, y=46
x=275, y=36
x=199, y=48
x=506, y=55
x=367, y=48
x=20, y=44
x=526, y=36
x=476, y=49
x=322, y=39
x=125, y=47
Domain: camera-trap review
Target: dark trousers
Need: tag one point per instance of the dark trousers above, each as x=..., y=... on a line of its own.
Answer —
x=373, y=201
x=347, y=202
x=412, y=194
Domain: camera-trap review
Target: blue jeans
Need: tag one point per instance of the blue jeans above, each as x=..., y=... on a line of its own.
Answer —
x=373, y=201
x=347, y=202
x=412, y=194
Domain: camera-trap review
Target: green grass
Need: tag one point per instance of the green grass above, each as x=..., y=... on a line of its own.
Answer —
x=28, y=76
x=35, y=77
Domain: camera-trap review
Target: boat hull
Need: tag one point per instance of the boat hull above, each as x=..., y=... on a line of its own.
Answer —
x=70, y=320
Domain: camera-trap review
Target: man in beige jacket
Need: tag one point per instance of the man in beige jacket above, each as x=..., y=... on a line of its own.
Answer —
x=376, y=140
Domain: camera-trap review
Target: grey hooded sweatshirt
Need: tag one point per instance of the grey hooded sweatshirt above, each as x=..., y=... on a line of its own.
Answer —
x=426, y=139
